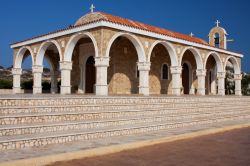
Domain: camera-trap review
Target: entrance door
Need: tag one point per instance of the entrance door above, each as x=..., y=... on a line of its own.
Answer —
x=185, y=78
x=90, y=75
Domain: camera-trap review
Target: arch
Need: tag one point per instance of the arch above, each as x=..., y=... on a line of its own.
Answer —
x=218, y=61
x=73, y=41
x=136, y=42
x=196, y=54
x=190, y=75
x=42, y=49
x=20, y=55
x=235, y=64
x=169, y=47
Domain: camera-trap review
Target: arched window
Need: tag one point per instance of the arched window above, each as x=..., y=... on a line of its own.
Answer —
x=217, y=40
x=164, y=72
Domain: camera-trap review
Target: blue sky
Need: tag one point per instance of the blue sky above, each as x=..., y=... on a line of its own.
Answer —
x=22, y=19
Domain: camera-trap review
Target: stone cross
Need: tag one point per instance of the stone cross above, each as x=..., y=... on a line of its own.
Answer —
x=92, y=7
x=191, y=34
x=217, y=23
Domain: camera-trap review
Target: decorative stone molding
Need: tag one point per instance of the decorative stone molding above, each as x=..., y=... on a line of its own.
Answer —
x=64, y=65
x=143, y=66
x=176, y=69
x=221, y=75
x=101, y=61
x=16, y=71
x=237, y=76
x=201, y=72
x=37, y=69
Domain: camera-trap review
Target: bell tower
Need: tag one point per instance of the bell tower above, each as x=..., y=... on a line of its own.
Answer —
x=218, y=36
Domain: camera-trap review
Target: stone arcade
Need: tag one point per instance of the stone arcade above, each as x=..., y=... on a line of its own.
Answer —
x=109, y=55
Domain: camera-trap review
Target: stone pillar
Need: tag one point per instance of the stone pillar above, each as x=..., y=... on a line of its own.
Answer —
x=101, y=86
x=201, y=74
x=221, y=83
x=37, y=79
x=237, y=79
x=81, y=87
x=144, y=68
x=54, y=82
x=16, y=72
x=65, y=68
x=176, y=80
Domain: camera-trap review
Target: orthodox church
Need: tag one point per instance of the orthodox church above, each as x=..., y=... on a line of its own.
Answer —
x=105, y=54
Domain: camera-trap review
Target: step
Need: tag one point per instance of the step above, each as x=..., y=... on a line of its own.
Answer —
x=57, y=100
x=73, y=116
x=24, y=141
x=35, y=128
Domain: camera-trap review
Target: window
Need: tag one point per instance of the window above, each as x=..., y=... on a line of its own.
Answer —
x=217, y=40
x=165, y=74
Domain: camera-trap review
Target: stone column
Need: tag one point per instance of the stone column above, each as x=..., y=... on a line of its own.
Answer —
x=221, y=83
x=201, y=74
x=237, y=79
x=37, y=79
x=101, y=86
x=16, y=72
x=81, y=87
x=144, y=68
x=54, y=82
x=65, y=68
x=176, y=80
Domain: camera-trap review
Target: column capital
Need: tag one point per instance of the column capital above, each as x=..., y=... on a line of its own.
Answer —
x=201, y=72
x=176, y=69
x=221, y=75
x=101, y=61
x=16, y=71
x=65, y=65
x=143, y=66
x=237, y=76
x=37, y=69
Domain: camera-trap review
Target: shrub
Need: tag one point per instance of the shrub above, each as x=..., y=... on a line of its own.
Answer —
x=5, y=84
x=27, y=84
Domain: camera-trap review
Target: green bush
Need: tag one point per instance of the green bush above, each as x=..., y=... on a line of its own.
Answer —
x=5, y=84
x=27, y=84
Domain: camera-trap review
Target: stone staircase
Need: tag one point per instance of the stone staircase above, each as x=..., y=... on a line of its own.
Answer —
x=38, y=121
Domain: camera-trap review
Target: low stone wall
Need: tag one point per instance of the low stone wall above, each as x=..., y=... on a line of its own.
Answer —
x=5, y=91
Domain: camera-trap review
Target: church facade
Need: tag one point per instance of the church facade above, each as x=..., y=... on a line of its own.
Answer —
x=110, y=55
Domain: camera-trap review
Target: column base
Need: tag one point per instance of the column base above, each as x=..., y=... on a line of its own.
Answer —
x=192, y=91
x=65, y=90
x=101, y=90
x=37, y=90
x=238, y=93
x=144, y=91
x=201, y=92
x=176, y=91
x=221, y=92
x=16, y=90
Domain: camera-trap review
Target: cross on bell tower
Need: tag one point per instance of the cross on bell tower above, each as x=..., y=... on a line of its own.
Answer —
x=92, y=7
x=217, y=23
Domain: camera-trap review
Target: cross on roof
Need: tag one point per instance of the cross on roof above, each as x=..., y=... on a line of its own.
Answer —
x=191, y=34
x=217, y=23
x=92, y=7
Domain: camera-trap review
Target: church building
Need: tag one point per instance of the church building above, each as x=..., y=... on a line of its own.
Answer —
x=105, y=54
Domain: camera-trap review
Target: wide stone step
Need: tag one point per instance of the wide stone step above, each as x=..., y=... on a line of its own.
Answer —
x=25, y=141
x=71, y=100
x=8, y=130
x=81, y=116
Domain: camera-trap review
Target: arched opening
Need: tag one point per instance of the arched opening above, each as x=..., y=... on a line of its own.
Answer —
x=160, y=82
x=51, y=74
x=211, y=84
x=229, y=79
x=217, y=40
x=90, y=74
x=192, y=62
x=185, y=78
x=27, y=76
x=123, y=77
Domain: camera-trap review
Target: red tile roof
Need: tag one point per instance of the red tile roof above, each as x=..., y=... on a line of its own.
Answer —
x=130, y=23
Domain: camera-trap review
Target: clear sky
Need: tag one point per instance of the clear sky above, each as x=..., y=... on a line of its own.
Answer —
x=22, y=19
